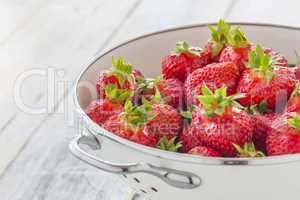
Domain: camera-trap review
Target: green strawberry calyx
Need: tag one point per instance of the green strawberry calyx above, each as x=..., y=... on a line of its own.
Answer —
x=258, y=109
x=294, y=122
x=183, y=47
x=115, y=94
x=137, y=116
x=188, y=113
x=225, y=35
x=248, y=150
x=121, y=70
x=260, y=63
x=296, y=91
x=169, y=144
x=237, y=38
x=218, y=103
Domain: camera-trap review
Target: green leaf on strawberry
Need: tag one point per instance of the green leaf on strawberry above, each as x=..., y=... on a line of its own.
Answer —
x=219, y=36
x=169, y=144
x=114, y=94
x=137, y=116
x=218, y=102
x=183, y=47
x=294, y=122
x=237, y=38
x=260, y=64
x=258, y=109
x=248, y=150
x=121, y=70
x=188, y=114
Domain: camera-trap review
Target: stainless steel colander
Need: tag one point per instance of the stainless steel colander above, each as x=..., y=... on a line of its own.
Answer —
x=157, y=174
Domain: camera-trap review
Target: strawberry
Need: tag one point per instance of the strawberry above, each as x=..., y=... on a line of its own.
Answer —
x=293, y=104
x=214, y=76
x=121, y=77
x=220, y=123
x=189, y=139
x=131, y=124
x=166, y=123
x=265, y=81
x=248, y=150
x=237, y=48
x=204, y=151
x=284, y=136
x=171, y=90
x=261, y=127
x=101, y=109
x=183, y=61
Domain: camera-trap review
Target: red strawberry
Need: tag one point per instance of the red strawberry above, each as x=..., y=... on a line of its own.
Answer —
x=189, y=139
x=214, y=76
x=235, y=55
x=204, y=151
x=284, y=136
x=261, y=127
x=101, y=109
x=293, y=104
x=131, y=124
x=249, y=150
x=121, y=77
x=264, y=81
x=220, y=123
x=183, y=61
x=166, y=123
x=171, y=91
x=296, y=70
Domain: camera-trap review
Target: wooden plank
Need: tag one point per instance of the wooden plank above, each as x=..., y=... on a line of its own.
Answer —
x=15, y=14
x=45, y=169
x=66, y=42
x=268, y=11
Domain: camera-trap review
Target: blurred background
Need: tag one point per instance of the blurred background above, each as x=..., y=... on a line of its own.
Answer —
x=44, y=44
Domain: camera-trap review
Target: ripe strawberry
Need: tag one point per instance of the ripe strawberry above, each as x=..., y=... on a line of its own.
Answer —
x=214, y=76
x=237, y=48
x=261, y=127
x=204, y=151
x=220, y=123
x=264, y=81
x=131, y=124
x=101, y=109
x=284, y=136
x=293, y=104
x=183, y=61
x=171, y=91
x=248, y=150
x=166, y=123
x=121, y=77
x=189, y=139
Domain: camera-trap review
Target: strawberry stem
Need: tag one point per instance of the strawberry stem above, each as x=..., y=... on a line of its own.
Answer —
x=169, y=144
x=218, y=103
x=260, y=63
x=248, y=150
x=294, y=122
x=182, y=47
x=140, y=115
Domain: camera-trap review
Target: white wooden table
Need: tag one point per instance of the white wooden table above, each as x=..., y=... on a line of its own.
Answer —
x=35, y=163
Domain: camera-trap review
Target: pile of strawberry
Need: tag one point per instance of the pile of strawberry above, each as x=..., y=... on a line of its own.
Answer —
x=232, y=98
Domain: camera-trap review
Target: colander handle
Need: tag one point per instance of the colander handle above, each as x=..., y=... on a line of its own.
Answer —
x=175, y=178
